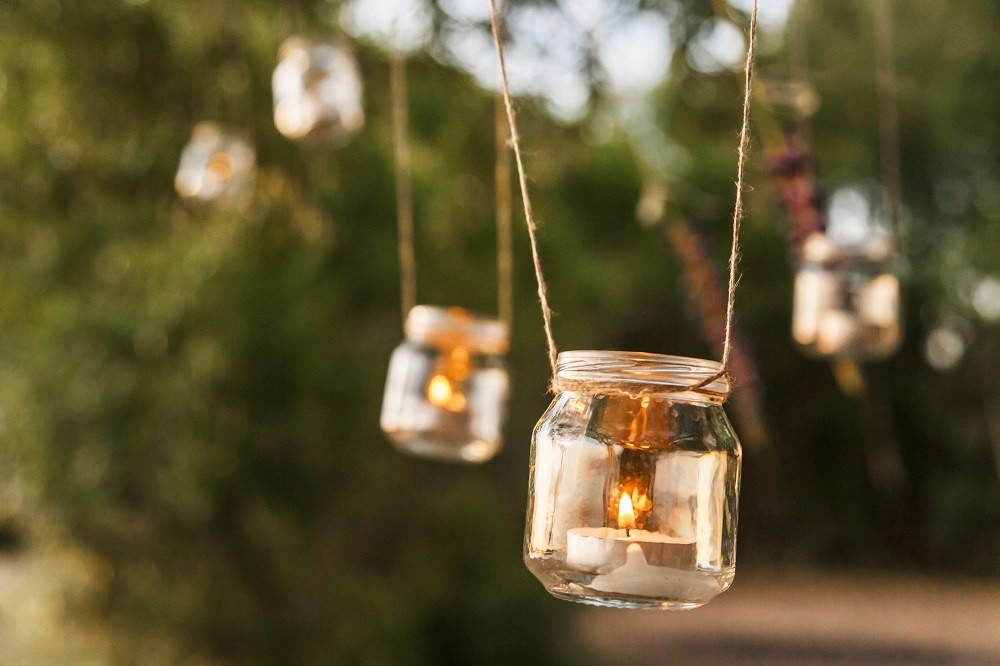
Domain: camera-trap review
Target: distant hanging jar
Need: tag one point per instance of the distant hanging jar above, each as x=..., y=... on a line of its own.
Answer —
x=215, y=165
x=446, y=392
x=634, y=483
x=846, y=302
x=317, y=92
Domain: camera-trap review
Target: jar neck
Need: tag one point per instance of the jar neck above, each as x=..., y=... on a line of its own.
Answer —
x=455, y=327
x=639, y=373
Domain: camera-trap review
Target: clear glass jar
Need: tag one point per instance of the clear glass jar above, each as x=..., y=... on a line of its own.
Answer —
x=215, y=166
x=634, y=483
x=446, y=392
x=846, y=302
x=317, y=91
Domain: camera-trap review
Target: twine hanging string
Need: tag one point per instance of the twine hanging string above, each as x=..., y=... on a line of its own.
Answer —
x=734, y=254
x=515, y=142
x=559, y=385
x=505, y=254
x=404, y=198
x=888, y=119
x=404, y=186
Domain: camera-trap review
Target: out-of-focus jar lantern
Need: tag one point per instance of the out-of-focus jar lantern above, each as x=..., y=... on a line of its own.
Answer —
x=846, y=302
x=446, y=393
x=215, y=166
x=317, y=91
x=634, y=484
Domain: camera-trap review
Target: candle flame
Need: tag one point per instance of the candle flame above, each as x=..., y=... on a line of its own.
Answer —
x=442, y=393
x=439, y=391
x=626, y=516
x=445, y=388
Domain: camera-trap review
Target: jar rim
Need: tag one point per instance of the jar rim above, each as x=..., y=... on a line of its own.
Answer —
x=632, y=370
x=453, y=326
x=820, y=248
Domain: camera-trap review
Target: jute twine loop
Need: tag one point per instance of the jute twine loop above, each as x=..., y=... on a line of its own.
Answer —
x=399, y=98
x=557, y=385
x=522, y=179
x=888, y=118
x=404, y=187
x=634, y=389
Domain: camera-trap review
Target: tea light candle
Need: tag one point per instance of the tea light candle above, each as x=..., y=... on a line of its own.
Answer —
x=605, y=548
x=638, y=578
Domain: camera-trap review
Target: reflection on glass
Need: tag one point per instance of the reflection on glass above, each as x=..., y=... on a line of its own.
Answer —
x=317, y=92
x=846, y=301
x=634, y=488
x=215, y=166
x=446, y=392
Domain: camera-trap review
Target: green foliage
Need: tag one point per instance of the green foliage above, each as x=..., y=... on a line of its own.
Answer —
x=196, y=389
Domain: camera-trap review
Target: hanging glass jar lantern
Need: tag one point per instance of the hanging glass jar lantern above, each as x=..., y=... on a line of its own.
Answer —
x=446, y=392
x=634, y=483
x=215, y=166
x=317, y=91
x=846, y=302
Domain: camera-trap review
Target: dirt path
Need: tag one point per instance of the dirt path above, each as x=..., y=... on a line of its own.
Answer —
x=806, y=620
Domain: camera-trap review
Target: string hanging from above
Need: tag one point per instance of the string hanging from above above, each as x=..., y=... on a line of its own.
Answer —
x=846, y=303
x=218, y=165
x=447, y=385
x=620, y=514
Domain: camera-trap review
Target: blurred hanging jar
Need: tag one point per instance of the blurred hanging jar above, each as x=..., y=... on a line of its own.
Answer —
x=317, y=92
x=446, y=392
x=634, y=484
x=215, y=166
x=846, y=302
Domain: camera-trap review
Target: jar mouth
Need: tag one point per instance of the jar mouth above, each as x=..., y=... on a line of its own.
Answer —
x=456, y=327
x=641, y=372
x=819, y=248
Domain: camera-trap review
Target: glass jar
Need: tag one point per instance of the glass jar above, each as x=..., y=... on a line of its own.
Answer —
x=317, y=91
x=446, y=393
x=634, y=483
x=215, y=166
x=846, y=302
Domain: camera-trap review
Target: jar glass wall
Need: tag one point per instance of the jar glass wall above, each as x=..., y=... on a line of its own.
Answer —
x=846, y=301
x=446, y=391
x=216, y=166
x=317, y=91
x=634, y=483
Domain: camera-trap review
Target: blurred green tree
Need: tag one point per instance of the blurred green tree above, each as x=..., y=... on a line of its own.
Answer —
x=195, y=390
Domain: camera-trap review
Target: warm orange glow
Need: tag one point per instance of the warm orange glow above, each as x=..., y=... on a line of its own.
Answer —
x=221, y=166
x=458, y=363
x=640, y=502
x=626, y=517
x=442, y=393
x=439, y=391
x=444, y=388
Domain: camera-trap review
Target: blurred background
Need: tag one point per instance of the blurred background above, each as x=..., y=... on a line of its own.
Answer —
x=192, y=466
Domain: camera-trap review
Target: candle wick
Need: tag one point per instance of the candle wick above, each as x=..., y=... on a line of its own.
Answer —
x=628, y=533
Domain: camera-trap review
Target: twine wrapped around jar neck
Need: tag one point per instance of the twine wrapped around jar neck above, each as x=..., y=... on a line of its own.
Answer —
x=637, y=374
x=457, y=327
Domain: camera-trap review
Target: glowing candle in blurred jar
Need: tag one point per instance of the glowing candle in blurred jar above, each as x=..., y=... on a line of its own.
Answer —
x=846, y=300
x=446, y=390
x=215, y=166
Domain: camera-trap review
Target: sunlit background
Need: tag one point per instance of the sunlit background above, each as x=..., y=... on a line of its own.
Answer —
x=197, y=311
